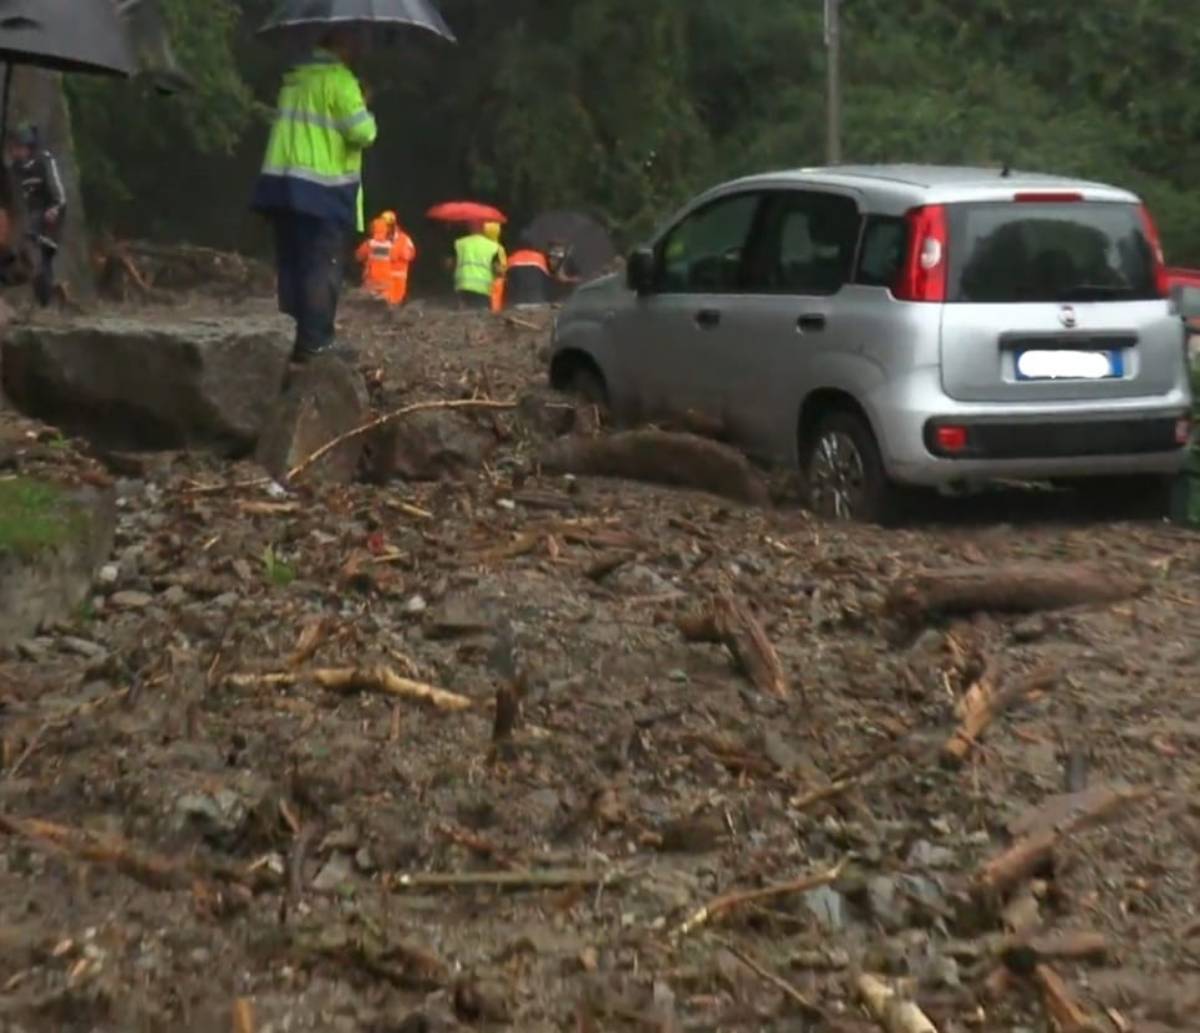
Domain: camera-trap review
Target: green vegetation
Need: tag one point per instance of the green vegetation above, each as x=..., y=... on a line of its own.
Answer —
x=35, y=515
x=278, y=572
x=627, y=106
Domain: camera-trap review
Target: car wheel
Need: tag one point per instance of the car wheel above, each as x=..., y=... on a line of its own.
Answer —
x=844, y=475
x=588, y=384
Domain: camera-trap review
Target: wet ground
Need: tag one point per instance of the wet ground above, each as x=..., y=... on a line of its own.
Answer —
x=197, y=834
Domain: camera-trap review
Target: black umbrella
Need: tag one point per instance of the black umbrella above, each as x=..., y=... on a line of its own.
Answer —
x=588, y=246
x=299, y=14
x=62, y=35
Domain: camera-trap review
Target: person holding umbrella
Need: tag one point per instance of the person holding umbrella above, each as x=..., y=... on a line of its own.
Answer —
x=41, y=186
x=310, y=186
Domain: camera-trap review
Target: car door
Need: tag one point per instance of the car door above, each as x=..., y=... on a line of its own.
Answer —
x=787, y=322
x=672, y=331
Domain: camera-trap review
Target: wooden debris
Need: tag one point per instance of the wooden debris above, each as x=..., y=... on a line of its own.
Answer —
x=606, y=564
x=1032, y=853
x=1023, y=954
x=984, y=702
x=1014, y=589
x=660, y=457
x=298, y=471
x=155, y=871
x=730, y=901
x=380, y=678
x=537, y=878
x=243, y=1016
x=730, y=623
x=889, y=1009
x=1067, y=1013
x=765, y=973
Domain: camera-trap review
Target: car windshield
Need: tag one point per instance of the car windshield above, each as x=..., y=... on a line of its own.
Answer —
x=1049, y=251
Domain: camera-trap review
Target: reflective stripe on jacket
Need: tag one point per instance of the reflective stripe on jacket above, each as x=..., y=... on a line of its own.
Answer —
x=474, y=269
x=313, y=162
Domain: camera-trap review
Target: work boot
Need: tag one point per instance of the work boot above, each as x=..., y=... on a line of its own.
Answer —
x=335, y=351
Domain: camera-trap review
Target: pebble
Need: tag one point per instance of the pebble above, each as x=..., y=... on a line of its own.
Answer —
x=416, y=604
x=334, y=874
x=82, y=647
x=109, y=574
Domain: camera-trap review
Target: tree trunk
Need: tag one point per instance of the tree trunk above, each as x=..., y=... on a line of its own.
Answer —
x=38, y=97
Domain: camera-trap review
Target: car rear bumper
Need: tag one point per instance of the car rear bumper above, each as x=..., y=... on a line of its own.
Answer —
x=1006, y=442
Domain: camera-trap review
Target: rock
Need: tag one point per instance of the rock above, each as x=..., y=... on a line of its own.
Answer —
x=637, y=579
x=925, y=855
x=150, y=384
x=82, y=647
x=546, y=413
x=695, y=834
x=482, y=1001
x=337, y=872
x=220, y=817
x=108, y=575
x=324, y=399
x=131, y=600
x=52, y=539
x=427, y=446
x=458, y=617
x=828, y=907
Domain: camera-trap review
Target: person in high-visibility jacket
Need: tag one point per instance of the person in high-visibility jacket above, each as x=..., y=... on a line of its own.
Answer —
x=403, y=254
x=375, y=256
x=478, y=260
x=527, y=280
x=310, y=186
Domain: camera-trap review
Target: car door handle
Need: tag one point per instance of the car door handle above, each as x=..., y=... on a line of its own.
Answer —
x=707, y=318
x=810, y=322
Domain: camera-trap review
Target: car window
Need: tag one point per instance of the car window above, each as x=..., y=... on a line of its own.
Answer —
x=704, y=252
x=882, y=254
x=1069, y=251
x=806, y=245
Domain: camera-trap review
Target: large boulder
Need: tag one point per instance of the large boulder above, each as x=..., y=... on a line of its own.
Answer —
x=430, y=445
x=150, y=383
x=323, y=400
x=52, y=539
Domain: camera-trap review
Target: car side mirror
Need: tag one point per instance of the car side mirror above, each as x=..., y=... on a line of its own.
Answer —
x=639, y=270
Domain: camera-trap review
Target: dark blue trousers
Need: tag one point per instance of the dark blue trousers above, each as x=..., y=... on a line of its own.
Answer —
x=309, y=253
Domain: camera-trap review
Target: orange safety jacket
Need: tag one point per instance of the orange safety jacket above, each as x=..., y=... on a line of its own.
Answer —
x=375, y=254
x=403, y=252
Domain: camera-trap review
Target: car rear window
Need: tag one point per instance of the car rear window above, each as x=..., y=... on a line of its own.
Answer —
x=1049, y=251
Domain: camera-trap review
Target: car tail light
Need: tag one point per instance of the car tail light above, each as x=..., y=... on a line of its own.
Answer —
x=951, y=438
x=1047, y=197
x=1183, y=430
x=1161, y=277
x=923, y=277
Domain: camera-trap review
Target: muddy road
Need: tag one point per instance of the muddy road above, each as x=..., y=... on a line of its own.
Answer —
x=223, y=805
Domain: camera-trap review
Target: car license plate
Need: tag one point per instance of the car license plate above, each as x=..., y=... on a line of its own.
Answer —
x=1062, y=364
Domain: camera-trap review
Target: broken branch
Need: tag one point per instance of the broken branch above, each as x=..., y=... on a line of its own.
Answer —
x=731, y=623
x=983, y=703
x=545, y=878
x=1068, y=1014
x=729, y=901
x=300, y=468
x=1033, y=851
x=383, y=679
x=765, y=973
x=889, y=1009
x=1005, y=590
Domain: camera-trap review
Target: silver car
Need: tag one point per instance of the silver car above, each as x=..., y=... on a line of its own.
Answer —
x=886, y=328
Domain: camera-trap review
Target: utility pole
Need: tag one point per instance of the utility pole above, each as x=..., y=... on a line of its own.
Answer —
x=833, y=88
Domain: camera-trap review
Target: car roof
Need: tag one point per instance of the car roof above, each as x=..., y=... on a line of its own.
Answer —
x=894, y=187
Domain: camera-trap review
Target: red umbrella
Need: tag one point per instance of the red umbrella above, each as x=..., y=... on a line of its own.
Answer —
x=466, y=211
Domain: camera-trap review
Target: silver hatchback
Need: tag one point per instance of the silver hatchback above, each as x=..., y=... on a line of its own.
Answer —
x=885, y=328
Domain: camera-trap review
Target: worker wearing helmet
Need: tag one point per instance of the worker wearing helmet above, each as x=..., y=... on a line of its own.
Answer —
x=375, y=256
x=478, y=260
x=403, y=253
